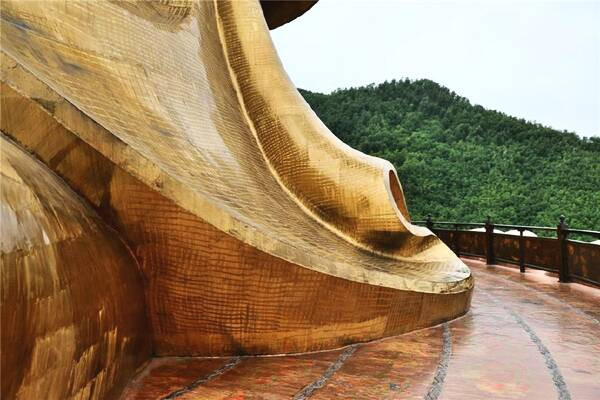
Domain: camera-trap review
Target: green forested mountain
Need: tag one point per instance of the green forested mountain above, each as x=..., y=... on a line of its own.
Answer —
x=461, y=162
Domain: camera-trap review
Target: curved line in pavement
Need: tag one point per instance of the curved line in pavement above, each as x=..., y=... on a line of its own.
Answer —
x=559, y=382
x=435, y=390
x=219, y=371
x=333, y=368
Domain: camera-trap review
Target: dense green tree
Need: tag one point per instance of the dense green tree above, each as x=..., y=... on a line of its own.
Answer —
x=461, y=162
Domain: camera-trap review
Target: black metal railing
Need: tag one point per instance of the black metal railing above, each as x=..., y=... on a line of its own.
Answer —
x=571, y=259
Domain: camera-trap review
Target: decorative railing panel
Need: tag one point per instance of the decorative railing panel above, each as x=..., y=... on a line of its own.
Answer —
x=506, y=248
x=542, y=253
x=584, y=261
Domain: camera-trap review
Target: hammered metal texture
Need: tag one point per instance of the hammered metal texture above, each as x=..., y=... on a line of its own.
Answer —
x=256, y=229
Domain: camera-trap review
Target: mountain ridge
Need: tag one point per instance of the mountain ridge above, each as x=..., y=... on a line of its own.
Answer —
x=459, y=161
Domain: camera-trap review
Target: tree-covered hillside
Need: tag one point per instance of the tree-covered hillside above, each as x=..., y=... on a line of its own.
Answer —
x=461, y=162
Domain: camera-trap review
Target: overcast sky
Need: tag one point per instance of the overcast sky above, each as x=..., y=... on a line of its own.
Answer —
x=539, y=60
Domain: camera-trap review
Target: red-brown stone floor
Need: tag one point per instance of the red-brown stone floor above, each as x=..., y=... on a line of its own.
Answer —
x=526, y=337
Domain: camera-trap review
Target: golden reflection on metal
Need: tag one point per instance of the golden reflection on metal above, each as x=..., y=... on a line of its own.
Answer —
x=177, y=122
x=73, y=320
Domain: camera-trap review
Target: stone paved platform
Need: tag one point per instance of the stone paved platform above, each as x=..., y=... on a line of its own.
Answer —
x=526, y=337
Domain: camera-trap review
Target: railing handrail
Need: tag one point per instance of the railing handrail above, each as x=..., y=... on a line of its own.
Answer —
x=518, y=227
x=584, y=232
x=527, y=227
x=451, y=223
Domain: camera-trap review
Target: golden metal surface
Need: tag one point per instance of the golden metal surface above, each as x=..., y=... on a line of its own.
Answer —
x=208, y=293
x=176, y=121
x=179, y=104
x=73, y=320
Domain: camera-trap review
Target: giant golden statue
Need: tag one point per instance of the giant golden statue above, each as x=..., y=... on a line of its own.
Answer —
x=166, y=190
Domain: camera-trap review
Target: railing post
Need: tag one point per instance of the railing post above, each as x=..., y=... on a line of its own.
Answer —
x=521, y=250
x=429, y=222
x=562, y=235
x=456, y=246
x=489, y=240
